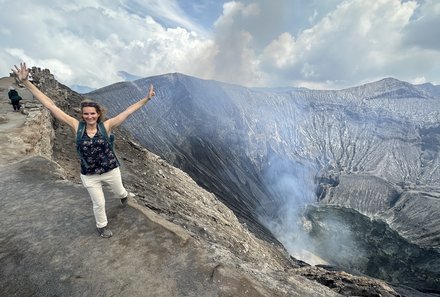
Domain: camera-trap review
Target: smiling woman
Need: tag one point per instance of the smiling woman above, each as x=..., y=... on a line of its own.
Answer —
x=91, y=108
x=98, y=161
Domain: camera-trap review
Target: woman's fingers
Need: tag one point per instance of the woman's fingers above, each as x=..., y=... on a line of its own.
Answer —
x=21, y=72
x=151, y=91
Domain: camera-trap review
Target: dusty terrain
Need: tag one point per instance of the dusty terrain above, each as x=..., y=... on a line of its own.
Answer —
x=174, y=238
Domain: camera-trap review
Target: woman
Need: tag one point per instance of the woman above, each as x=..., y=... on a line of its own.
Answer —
x=98, y=161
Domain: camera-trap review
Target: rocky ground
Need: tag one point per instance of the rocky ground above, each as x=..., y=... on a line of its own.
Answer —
x=174, y=238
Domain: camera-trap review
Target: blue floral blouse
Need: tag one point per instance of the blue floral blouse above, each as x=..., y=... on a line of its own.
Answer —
x=96, y=155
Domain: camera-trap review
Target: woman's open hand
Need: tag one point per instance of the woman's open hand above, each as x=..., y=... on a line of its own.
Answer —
x=151, y=92
x=22, y=72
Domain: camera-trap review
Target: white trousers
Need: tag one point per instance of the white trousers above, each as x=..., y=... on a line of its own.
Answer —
x=93, y=184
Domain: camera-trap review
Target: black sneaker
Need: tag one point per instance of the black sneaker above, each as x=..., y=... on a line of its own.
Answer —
x=124, y=201
x=104, y=232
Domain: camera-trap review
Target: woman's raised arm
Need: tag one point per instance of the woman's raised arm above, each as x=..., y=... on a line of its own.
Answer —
x=22, y=74
x=117, y=120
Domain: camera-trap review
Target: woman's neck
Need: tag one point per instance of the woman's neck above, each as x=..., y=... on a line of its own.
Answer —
x=91, y=127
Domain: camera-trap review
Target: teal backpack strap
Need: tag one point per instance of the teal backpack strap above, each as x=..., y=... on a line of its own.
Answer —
x=102, y=130
x=80, y=131
x=110, y=138
x=79, y=134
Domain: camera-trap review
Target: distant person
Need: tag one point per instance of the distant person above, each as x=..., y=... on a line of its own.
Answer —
x=15, y=99
x=98, y=161
x=30, y=78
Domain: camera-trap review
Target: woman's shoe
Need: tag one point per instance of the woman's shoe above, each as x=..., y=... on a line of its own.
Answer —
x=104, y=232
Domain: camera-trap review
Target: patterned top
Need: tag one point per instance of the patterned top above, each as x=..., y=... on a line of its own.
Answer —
x=96, y=155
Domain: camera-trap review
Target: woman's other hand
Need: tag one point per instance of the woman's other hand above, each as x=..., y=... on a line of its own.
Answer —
x=151, y=92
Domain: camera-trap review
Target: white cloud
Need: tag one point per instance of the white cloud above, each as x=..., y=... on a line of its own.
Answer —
x=356, y=41
x=418, y=80
x=235, y=60
x=334, y=44
x=422, y=32
x=167, y=10
x=88, y=44
x=280, y=53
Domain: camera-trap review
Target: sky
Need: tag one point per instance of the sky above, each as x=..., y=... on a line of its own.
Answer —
x=318, y=44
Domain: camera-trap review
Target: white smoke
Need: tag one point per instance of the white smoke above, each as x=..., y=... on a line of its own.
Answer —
x=293, y=186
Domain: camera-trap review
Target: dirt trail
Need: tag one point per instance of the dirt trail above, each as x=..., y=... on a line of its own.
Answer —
x=12, y=146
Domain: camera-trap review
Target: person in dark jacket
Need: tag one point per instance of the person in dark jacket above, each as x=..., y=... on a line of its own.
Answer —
x=99, y=164
x=15, y=98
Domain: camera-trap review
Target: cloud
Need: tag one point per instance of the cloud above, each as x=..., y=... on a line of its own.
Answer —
x=87, y=43
x=357, y=40
x=235, y=57
x=280, y=53
x=352, y=43
x=422, y=32
x=334, y=44
x=168, y=11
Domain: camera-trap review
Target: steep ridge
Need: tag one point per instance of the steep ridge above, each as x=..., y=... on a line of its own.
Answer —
x=184, y=243
x=267, y=154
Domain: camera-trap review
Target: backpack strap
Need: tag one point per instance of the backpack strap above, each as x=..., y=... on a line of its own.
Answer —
x=80, y=131
x=79, y=134
x=110, y=138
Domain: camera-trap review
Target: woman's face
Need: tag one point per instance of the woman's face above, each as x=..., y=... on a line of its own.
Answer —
x=90, y=115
